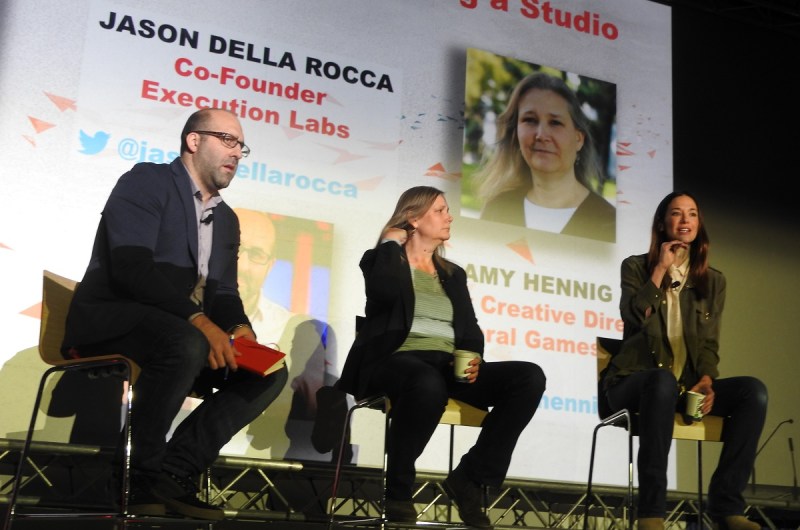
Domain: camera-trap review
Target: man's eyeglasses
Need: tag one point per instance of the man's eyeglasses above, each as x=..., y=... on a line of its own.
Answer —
x=255, y=255
x=228, y=139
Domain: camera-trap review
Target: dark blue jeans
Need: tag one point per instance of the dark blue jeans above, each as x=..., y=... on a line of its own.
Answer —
x=173, y=357
x=418, y=384
x=654, y=395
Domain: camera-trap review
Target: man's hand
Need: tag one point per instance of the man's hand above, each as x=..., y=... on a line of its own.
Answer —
x=222, y=354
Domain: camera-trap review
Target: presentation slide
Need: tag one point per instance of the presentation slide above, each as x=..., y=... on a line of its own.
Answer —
x=345, y=105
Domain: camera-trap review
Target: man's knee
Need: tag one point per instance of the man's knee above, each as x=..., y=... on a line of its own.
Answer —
x=270, y=387
x=190, y=348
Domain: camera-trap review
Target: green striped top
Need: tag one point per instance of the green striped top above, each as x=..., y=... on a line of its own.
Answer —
x=432, y=328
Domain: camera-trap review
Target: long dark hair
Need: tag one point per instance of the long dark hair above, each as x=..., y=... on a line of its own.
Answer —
x=698, y=250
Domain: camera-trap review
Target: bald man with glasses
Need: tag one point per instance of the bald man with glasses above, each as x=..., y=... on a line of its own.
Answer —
x=162, y=289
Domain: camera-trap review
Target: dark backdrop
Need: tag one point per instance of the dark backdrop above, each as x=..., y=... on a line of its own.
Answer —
x=735, y=105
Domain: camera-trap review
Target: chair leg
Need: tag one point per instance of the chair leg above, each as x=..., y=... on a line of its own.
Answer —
x=387, y=421
x=367, y=402
x=12, y=504
x=102, y=368
x=450, y=468
x=611, y=420
x=338, y=470
x=699, y=485
x=630, y=473
x=588, y=496
x=452, y=448
x=126, y=464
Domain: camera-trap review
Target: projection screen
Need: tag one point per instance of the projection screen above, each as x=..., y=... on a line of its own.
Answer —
x=344, y=105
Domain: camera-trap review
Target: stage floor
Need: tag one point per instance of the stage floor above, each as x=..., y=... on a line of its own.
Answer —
x=296, y=495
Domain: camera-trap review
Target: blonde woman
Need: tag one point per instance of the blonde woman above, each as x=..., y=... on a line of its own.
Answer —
x=545, y=171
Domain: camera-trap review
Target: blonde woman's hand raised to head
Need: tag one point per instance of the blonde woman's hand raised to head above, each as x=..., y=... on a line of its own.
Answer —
x=396, y=234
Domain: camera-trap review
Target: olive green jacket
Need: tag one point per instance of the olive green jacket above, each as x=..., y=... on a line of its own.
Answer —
x=644, y=312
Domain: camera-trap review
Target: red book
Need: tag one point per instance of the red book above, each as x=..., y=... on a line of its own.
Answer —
x=257, y=357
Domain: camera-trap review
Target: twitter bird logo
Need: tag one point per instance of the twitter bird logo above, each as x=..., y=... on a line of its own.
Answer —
x=91, y=145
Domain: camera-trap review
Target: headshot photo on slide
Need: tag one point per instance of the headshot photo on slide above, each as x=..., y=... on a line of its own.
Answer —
x=539, y=147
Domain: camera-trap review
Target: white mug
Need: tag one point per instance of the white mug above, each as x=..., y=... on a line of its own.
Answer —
x=461, y=359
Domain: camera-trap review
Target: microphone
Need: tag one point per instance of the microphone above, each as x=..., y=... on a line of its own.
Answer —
x=790, y=420
x=208, y=219
x=794, y=470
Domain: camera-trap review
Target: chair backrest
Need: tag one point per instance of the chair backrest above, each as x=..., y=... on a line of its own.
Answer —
x=606, y=349
x=57, y=293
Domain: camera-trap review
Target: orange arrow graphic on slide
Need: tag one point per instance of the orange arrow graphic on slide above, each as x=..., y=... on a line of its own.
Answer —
x=521, y=247
x=39, y=125
x=34, y=311
x=61, y=102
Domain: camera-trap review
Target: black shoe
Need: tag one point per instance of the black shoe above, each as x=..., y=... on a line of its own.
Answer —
x=141, y=500
x=399, y=511
x=468, y=498
x=179, y=495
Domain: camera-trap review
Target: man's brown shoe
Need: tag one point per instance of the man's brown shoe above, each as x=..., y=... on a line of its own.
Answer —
x=735, y=522
x=651, y=523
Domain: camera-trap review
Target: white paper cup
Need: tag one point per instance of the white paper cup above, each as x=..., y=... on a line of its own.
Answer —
x=461, y=359
x=694, y=405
